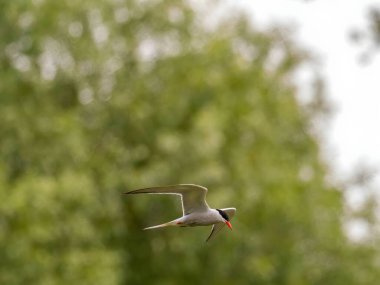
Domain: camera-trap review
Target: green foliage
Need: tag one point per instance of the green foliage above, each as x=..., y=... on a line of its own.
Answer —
x=101, y=97
x=368, y=37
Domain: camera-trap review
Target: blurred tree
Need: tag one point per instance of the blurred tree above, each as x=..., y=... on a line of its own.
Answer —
x=368, y=36
x=100, y=97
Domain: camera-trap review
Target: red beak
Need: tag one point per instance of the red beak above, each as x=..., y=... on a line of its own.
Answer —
x=229, y=224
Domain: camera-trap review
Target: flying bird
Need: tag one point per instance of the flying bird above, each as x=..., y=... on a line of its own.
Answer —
x=196, y=211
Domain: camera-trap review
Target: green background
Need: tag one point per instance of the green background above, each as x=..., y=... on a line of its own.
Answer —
x=102, y=97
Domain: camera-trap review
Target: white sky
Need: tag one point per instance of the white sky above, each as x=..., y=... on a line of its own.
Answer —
x=323, y=26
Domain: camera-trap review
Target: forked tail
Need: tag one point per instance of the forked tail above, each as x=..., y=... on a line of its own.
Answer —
x=172, y=223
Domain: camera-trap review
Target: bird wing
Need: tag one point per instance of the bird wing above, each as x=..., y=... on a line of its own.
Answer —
x=217, y=227
x=230, y=212
x=193, y=196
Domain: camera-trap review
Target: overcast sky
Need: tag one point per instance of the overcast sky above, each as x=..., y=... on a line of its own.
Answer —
x=323, y=26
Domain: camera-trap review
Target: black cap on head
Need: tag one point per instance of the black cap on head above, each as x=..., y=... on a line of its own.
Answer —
x=223, y=214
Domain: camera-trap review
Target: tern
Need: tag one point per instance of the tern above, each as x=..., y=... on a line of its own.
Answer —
x=196, y=211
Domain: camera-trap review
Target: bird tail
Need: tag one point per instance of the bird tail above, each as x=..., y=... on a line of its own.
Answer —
x=172, y=223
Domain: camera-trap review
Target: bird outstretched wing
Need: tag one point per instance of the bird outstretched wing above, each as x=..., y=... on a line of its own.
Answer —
x=217, y=227
x=193, y=196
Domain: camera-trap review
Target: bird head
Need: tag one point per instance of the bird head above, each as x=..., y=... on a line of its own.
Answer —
x=225, y=218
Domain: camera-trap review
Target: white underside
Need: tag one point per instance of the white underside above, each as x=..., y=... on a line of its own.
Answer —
x=204, y=218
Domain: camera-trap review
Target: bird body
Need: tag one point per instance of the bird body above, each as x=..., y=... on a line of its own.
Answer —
x=196, y=211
